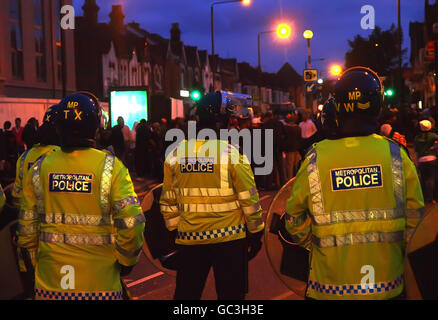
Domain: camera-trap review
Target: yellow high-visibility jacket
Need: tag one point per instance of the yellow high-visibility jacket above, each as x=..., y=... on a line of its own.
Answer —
x=2, y=198
x=209, y=194
x=24, y=162
x=354, y=204
x=80, y=216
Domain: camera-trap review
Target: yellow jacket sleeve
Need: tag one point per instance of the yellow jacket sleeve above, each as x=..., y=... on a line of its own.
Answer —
x=247, y=195
x=2, y=198
x=28, y=222
x=298, y=221
x=413, y=194
x=17, y=190
x=129, y=220
x=168, y=204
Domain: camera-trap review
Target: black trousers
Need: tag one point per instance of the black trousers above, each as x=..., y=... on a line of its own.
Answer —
x=427, y=177
x=230, y=266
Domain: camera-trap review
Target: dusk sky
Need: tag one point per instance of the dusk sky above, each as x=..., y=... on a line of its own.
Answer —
x=333, y=22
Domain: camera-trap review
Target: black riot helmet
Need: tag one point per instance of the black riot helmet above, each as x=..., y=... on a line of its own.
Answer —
x=210, y=113
x=358, y=101
x=78, y=120
x=46, y=133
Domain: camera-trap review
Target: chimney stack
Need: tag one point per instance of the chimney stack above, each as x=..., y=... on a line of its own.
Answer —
x=117, y=17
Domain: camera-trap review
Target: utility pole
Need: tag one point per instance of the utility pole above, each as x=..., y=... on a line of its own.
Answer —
x=399, y=35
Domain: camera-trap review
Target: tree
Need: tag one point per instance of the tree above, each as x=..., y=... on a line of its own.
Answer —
x=379, y=51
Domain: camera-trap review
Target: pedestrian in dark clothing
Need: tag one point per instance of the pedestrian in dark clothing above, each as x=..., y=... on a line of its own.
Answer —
x=29, y=133
x=272, y=123
x=158, y=153
x=427, y=159
x=118, y=142
x=9, y=149
x=292, y=145
x=141, y=142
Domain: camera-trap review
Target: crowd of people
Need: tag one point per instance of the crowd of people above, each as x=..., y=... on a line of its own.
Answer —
x=142, y=148
x=13, y=141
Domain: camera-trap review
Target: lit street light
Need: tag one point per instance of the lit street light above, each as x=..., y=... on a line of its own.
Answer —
x=335, y=70
x=244, y=2
x=283, y=31
x=308, y=34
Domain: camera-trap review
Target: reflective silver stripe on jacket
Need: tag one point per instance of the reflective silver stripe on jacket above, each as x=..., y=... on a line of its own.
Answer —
x=212, y=234
x=204, y=192
x=75, y=219
x=27, y=215
x=416, y=213
x=119, y=205
x=320, y=217
x=21, y=169
x=357, y=238
x=169, y=195
x=208, y=207
x=397, y=175
x=26, y=230
x=130, y=222
x=315, y=184
x=247, y=210
x=245, y=195
x=358, y=215
x=37, y=187
x=77, y=239
x=168, y=208
x=172, y=222
x=126, y=253
x=105, y=184
x=225, y=156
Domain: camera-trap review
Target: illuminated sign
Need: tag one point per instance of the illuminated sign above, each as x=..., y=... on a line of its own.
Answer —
x=132, y=106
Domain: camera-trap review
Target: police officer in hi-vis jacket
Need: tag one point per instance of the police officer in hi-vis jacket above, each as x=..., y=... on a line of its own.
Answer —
x=81, y=220
x=356, y=200
x=210, y=198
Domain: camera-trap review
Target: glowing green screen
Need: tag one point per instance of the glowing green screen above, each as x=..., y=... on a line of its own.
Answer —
x=131, y=105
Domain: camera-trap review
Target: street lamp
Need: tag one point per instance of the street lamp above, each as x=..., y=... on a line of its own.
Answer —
x=283, y=31
x=244, y=2
x=308, y=34
x=335, y=70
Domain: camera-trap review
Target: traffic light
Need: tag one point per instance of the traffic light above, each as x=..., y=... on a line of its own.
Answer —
x=195, y=95
x=389, y=93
